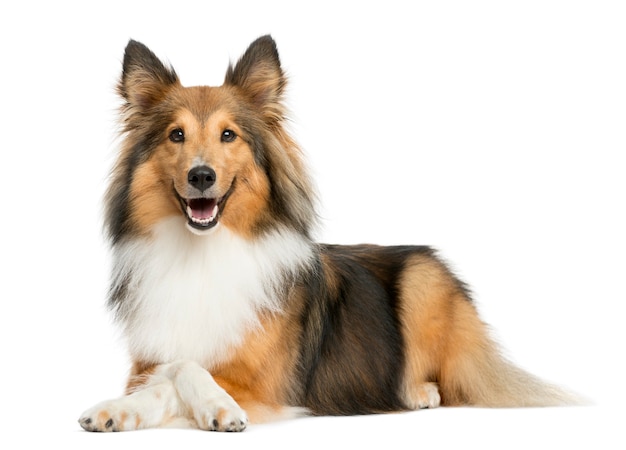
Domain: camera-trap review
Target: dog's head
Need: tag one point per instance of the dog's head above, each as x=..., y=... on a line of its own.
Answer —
x=211, y=155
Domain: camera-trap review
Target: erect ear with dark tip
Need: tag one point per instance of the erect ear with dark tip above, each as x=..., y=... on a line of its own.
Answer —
x=145, y=80
x=259, y=76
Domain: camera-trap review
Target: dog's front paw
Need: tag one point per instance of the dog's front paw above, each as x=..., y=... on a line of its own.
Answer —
x=109, y=416
x=220, y=414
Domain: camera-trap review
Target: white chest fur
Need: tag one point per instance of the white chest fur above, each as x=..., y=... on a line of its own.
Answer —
x=193, y=297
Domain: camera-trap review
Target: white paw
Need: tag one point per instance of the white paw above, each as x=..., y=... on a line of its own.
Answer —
x=424, y=396
x=110, y=415
x=428, y=396
x=221, y=413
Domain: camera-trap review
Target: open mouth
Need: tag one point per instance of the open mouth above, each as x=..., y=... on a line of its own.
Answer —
x=203, y=213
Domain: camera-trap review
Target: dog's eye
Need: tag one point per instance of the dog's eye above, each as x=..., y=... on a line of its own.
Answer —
x=177, y=135
x=228, y=136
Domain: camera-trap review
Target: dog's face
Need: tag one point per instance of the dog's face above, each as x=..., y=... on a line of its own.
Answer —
x=203, y=167
x=205, y=158
x=210, y=155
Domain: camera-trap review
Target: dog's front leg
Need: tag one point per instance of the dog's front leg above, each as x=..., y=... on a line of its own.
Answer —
x=211, y=407
x=154, y=404
x=176, y=394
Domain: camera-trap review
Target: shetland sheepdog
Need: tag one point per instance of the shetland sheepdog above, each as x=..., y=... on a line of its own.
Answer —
x=232, y=312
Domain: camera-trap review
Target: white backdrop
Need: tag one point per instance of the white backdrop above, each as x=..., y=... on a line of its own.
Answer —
x=491, y=130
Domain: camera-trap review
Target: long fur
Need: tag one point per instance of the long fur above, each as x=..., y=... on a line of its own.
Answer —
x=231, y=311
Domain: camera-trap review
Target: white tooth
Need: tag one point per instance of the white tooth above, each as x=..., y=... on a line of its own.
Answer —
x=203, y=221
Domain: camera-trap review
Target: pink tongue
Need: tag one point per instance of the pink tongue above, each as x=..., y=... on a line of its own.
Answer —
x=202, y=208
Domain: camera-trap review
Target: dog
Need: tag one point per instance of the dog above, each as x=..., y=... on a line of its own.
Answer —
x=232, y=312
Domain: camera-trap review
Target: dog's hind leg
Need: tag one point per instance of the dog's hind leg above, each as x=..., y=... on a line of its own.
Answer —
x=427, y=293
x=447, y=343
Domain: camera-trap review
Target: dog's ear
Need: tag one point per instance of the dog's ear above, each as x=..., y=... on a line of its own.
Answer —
x=259, y=76
x=145, y=80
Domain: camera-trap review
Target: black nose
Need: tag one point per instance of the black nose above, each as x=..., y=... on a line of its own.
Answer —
x=201, y=177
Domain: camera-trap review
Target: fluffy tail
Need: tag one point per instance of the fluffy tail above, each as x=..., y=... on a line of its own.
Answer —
x=475, y=373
